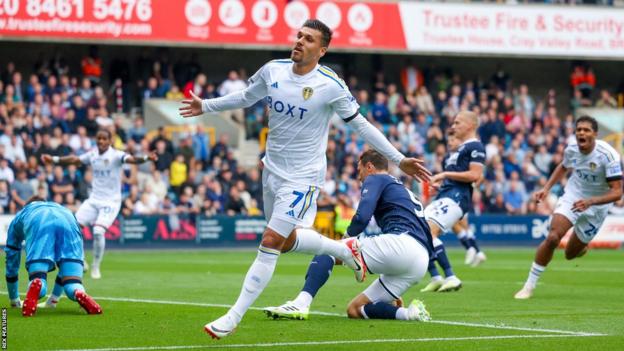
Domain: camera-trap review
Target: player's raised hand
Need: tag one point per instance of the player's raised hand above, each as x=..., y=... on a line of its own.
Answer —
x=45, y=158
x=191, y=107
x=416, y=168
x=581, y=205
x=540, y=195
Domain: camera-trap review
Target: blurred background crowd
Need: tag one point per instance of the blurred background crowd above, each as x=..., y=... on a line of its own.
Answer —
x=57, y=109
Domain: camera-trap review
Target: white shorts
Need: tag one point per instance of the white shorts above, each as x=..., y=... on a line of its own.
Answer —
x=288, y=205
x=444, y=213
x=98, y=212
x=400, y=260
x=586, y=223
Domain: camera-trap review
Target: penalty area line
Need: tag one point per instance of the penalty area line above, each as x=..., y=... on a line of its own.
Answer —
x=331, y=342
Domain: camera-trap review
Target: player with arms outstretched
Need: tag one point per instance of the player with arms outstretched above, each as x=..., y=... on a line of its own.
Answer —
x=594, y=185
x=104, y=202
x=52, y=237
x=302, y=97
x=400, y=254
x=462, y=168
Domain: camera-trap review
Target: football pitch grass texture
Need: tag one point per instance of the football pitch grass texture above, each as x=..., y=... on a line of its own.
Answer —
x=160, y=300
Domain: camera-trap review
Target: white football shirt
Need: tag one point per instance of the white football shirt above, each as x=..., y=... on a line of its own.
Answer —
x=106, y=170
x=300, y=110
x=591, y=173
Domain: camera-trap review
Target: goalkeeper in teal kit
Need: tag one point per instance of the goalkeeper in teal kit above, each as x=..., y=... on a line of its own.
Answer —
x=52, y=238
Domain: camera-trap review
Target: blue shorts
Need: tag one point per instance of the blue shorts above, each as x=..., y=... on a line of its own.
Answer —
x=54, y=243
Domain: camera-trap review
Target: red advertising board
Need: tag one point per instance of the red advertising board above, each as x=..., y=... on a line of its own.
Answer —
x=209, y=22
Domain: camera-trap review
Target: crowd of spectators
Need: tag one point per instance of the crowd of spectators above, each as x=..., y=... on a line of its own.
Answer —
x=56, y=112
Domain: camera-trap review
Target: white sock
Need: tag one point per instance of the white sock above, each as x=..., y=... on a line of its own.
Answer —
x=437, y=242
x=99, y=243
x=303, y=300
x=258, y=276
x=310, y=242
x=401, y=314
x=436, y=278
x=470, y=233
x=534, y=275
x=363, y=312
x=462, y=234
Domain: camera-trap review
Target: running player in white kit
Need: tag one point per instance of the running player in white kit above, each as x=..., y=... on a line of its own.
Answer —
x=595, y=184
x=104, y=202
x=302, y=97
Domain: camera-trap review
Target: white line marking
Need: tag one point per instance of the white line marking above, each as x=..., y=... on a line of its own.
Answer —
x=466, y=324
x=332, y=314
x=333, y=342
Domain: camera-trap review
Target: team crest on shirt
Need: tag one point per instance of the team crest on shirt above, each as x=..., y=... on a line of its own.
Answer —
x=592, y=166
x=307, y=93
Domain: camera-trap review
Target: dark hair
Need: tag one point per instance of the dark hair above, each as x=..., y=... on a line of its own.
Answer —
x=378, y=160
x=108, y=132
x=321, y=27
x=34, y=198
x=588, y=119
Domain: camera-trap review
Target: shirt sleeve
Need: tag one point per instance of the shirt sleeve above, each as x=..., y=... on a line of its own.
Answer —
x=371, y=191
x=121, y=157
x=477, y=154
x=86, y=158
x=614, y=170
x=256, y=90
x=375, y=138
x=568, y=154
x=343, y=103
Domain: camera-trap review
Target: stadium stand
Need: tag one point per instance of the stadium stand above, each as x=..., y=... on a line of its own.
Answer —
x=52, y=111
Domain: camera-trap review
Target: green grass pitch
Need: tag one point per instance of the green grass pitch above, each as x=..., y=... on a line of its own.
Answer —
x=160, y=300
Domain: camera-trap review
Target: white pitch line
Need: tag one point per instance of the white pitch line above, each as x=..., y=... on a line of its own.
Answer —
x=332, y=314
x=466, y=324
x=332, y=342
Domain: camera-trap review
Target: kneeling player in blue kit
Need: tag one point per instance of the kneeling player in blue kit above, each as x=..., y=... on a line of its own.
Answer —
x=52, y=237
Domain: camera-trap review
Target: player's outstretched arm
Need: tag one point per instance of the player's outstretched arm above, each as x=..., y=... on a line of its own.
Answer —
x=138, y=160
x=411, y=166
x=191, y=107
x=64, y=160
x=371, y=191
x=555, y=178
x=614, y=194
x=415, y=167
x=240, y=99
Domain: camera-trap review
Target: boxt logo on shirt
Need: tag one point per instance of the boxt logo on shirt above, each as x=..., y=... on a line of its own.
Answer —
x=285, y=108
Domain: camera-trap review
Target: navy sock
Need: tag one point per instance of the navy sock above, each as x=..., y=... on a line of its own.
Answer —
x=473, y=243
x=433, y=270
x=465, y=242
x=380, y=310
x=318, y=272
x=443, y=260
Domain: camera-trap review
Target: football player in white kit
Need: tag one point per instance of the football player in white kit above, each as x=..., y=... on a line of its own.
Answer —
x=594, y=185
x=302, y=97
x=104, y=202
